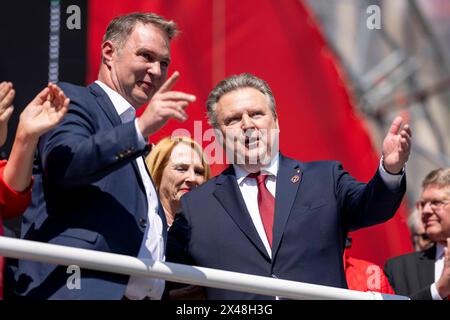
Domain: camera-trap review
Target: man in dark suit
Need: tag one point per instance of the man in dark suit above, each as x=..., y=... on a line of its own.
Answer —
x=425, y=275
x=91, y=187
x=273, y=216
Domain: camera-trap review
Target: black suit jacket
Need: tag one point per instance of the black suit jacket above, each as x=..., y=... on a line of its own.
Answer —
x=312, y=217
x=412, y=274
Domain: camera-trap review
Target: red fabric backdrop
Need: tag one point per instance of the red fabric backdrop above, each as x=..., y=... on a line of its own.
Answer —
x=281, y=42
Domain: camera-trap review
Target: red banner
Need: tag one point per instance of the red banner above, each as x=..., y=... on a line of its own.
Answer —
x=279, y=41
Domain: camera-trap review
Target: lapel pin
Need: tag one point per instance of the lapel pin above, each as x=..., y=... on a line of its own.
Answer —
x=295, y=179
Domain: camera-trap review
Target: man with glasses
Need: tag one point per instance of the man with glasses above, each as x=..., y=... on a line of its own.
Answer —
x=426, y=275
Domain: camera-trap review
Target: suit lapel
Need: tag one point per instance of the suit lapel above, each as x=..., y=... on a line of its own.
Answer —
x=108, y=108
x=425, y=266
x=105, y=104
x=289, y=178
x=229, y=196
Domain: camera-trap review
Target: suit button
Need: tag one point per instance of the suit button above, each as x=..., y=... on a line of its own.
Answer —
x=142, y=222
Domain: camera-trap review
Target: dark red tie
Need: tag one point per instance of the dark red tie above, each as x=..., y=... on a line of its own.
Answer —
x=266, y=204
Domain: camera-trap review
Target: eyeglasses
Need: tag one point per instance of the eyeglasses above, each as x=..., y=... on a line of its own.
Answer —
x=437, y=204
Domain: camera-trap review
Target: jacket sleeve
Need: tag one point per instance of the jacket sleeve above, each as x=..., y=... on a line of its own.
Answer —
x=178, y=241
x=12, y=202
x=364, y=205
x=422, y=294
x=392, y=272
x=77, y=152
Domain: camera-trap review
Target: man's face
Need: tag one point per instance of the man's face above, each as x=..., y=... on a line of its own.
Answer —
x=248, y=126
x=434, y=207
x=139, y=68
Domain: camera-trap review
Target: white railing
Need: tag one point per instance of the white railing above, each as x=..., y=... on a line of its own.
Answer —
x=110, y=262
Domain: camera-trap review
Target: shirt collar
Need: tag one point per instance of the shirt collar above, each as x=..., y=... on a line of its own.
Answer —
x=439, y=251
x=121, y=105
x=271, y=169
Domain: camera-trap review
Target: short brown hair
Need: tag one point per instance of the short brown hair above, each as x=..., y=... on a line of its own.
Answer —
x=121, y=27
x=159, y=157
x=439, y=178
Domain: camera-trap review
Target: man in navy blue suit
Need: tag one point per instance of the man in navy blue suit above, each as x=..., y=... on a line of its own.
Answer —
x=273, y=216
x=92, y=189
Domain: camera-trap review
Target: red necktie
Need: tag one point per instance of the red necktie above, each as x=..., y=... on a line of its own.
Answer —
x=266, y=204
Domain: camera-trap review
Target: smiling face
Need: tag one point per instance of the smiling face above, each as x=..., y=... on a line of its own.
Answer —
x=183, y=172
x=434, y=207
x=138, y=68
x=249, y=127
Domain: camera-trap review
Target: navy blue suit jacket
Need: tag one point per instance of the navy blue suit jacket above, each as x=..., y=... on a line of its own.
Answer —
x=312, y=218
x=88, y=193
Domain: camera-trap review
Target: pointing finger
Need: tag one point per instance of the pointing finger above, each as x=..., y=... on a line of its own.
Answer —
x=167, y=86
x=177, y=95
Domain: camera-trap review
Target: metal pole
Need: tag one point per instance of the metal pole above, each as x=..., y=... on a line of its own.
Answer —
x=110, y=262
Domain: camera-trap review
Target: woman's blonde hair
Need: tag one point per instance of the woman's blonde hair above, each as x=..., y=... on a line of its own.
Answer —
x=159, y=157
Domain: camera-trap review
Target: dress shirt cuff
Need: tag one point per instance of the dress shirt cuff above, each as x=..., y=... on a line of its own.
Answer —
x=142, y=141
x=393, y=181
x=144, y=288
x=158, y=290
x=434, y=293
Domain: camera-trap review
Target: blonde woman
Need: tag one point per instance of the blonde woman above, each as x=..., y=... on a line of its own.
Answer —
x=177, y=165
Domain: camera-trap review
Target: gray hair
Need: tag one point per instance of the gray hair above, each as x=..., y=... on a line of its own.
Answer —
x=120, y=28
x=439, y=177
x=235, y=82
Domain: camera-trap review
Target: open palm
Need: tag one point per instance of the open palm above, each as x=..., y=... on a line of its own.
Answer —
x=396, y=146
x=7, y=94
x=44, y=112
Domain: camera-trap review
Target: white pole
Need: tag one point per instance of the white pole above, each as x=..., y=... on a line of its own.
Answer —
x=110, y=262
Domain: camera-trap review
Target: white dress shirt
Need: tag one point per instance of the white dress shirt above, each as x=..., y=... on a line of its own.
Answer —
x=438, y=268
x=152, y=246
x=249, y=191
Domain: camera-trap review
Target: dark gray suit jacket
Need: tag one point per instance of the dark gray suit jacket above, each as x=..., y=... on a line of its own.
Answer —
x=412, y=274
